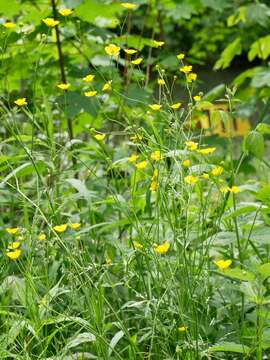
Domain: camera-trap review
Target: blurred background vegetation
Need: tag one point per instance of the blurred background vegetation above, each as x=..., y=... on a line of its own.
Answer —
x=226, y=41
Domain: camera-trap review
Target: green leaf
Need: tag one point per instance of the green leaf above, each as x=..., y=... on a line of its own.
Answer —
x=260, y=48
x=264, y=270
x=264, y=194
x=214, y=93
x=103, y=15
x=218, y=5
x=263, y=128
x=133, y=41
x=81, y=188
x=261, y=78
x=246, y=209
x=258, y=14
x=254, y=144
x=240, y=15
x=235, y=48
x=117, y=337
x=230, y=347
x=80, y=339
x=75, y=103
x=9, y=8
x=237, y=274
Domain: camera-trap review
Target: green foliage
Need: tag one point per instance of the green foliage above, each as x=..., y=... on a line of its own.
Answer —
x=135, y=217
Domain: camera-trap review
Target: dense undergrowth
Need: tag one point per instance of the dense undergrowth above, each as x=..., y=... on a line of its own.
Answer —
x=135, y=224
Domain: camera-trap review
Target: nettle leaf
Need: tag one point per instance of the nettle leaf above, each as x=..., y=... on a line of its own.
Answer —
x=264, y=195
x=237, y=274
x=264, y=270
x=254, y=144
x=74, y=103
x=228, y=54
x=260, y=48
x=260, y=235
x=230, y=347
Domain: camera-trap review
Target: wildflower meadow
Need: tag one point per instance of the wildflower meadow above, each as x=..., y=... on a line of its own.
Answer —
x=134, y=179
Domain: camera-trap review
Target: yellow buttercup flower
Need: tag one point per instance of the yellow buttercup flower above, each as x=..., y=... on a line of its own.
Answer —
x=90, y=93
x=224, y=189
x=60, y=228
x=63, y=86
x=137, y=61
x=155, y=174
x=107, y=86
x=191, y=77
x=137, y=245
x=217, y=171
x=206, y=151
x=128, y=6
x=130, y=51
x=155, y=107
x=191, y=145
x=186, y=69
x=158, y=43
x=223, y=264
x=42, y=237
x=180, y=56
x=75, y=226
x=65, y=12
x=141, y=165
x=153, y=186
x=161, y=82
x=89, y=78
x=136, y=138
x=21, y=102
x=13, y=255
x=205, y=176
x=50, y=22
x=156, y=155
x=9, y=25
x=234, y=189
x=186, y=163
x=12, y=231
x=182, y=328
x=191, y=179
x=100, y=137
x=175, y=106
x=14, y=245
x=112, y=50
x=197, y=98
x=133, y=158
x=163, y=248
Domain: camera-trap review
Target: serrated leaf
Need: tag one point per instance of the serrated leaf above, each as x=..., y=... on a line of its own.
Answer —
x=264, y=270
x=254, y=144
x=237, y=274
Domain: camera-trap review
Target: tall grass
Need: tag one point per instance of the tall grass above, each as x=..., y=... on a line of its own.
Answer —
x=139, y=277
